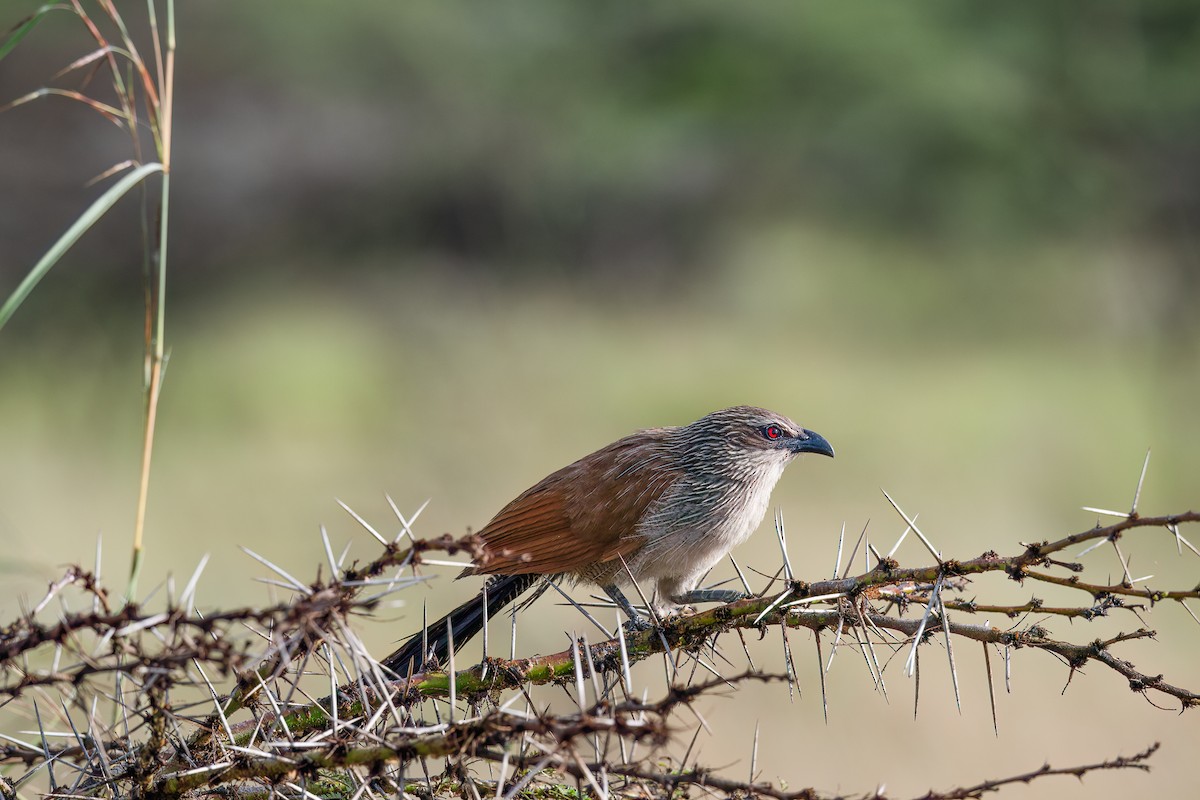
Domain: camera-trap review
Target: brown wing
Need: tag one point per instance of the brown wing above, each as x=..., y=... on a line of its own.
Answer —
x=582, y=515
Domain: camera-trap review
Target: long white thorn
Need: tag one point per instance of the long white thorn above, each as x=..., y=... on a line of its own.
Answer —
x=912, y=524
x=1141, y=479
x=292, y=582
x=366, y=525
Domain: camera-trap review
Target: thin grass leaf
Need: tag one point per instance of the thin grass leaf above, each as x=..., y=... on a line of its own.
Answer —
x=85, y=221
x=22, y=28
x=116, y=116
x=91, y=58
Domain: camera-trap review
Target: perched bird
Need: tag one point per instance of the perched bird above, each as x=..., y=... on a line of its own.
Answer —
x=663, y=505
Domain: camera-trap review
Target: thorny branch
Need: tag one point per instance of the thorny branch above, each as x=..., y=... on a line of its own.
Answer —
x=154, y=667
x=886, y=581
x=705, y=778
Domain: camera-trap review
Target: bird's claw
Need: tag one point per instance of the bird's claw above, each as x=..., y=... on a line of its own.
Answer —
x=637, y=625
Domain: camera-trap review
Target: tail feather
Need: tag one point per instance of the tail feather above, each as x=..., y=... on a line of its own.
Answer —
x=433, y=643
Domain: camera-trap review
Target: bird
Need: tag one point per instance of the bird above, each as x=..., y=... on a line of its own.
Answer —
x=660, y=506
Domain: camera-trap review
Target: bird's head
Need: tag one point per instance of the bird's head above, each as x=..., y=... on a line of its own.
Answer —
x=747, y=438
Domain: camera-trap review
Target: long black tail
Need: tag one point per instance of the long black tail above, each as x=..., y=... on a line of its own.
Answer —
x=468, y=619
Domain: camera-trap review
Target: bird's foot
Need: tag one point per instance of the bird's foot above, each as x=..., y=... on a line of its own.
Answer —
x=635, y=625
x=709, y=596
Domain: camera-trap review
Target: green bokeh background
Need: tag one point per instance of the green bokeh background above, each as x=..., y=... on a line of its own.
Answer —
x=437, y=250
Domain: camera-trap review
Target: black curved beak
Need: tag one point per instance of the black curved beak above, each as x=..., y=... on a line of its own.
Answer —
x=811, y=442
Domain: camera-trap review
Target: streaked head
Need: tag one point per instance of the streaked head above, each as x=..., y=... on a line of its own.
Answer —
x=746, y=437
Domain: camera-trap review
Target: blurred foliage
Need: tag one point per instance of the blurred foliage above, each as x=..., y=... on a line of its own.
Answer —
x=570, y=133
x=569, y=139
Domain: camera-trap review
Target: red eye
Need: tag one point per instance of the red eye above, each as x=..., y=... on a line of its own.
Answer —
x=772, y=432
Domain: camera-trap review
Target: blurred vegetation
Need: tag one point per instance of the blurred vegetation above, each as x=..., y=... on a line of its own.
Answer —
x=440, y=249
x=633, y=144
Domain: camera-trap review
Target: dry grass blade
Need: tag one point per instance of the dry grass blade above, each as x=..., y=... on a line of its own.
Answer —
x=114, y=115
x=115, y=169
x=91, y=58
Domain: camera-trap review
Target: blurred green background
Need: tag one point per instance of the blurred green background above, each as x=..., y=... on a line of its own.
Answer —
x=437, y=250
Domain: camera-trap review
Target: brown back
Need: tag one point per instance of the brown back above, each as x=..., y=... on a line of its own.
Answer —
x=583, y=514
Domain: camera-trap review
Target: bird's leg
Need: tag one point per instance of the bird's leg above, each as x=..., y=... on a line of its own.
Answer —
x=636, y=621
x=708, y=596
